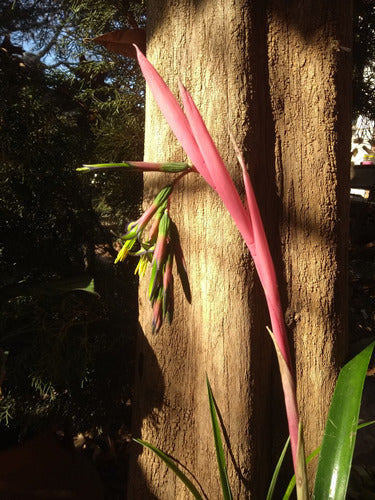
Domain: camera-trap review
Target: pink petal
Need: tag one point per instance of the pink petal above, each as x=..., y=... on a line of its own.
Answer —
x=264, y=264
x=218, y=171
x=266, y=271
x=173, y=113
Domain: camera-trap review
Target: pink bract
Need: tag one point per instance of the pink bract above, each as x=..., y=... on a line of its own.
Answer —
x=191, y=132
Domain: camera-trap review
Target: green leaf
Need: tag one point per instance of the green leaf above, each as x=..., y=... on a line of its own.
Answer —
x=301, y=485
x=172, y=465
x=316, y=452
x=339, y=436
x=154, y=282
x=163, y=195
x=227, y=494
x=169, y=167
x=275, y=475
x=84, y=283
x=175, y=167
x=365, y=424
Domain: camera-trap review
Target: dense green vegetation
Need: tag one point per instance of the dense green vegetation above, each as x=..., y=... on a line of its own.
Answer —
x=65, y=354
x=364, y=59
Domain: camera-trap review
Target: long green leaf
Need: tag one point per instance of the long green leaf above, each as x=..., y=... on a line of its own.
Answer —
x=275, y=475
x=83, y=283
x=227, y=494
x=336, y=454
x=365, y=424
x=172, y=465
x=50, y=287
x=316, y=452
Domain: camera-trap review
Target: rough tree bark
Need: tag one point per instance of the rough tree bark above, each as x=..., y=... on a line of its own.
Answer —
x=277, y=75
x=310, y=75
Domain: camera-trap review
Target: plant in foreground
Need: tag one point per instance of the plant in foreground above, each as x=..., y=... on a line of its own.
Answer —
x=335, y=453
x=220, y=456
x=162, y=246
x=190, y=130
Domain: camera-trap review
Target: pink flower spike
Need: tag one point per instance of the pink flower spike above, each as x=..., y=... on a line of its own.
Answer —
x=266, y=271
x=218, y=171
x=263, y=262
x=202, y=167
x=172, y=112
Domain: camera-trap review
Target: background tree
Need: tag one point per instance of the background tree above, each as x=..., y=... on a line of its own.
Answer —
x=105, y=86
x=63, y=105
x=363, y=59
x=279, y=76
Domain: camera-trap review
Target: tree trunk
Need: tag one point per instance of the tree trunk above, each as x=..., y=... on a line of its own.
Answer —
x=310, y=75
x=256, y=68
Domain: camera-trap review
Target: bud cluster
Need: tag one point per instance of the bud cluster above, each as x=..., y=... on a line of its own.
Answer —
x=159, y=249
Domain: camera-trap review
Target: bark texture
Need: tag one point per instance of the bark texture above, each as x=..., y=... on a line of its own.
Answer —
x=252, y=67
x=309, y=75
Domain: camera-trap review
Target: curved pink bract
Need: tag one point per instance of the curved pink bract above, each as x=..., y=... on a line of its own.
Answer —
x=192, y=133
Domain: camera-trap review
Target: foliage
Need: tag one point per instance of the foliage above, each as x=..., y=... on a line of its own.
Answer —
x=59, y=353
x=63, y=355
x=222, y=467
x=315, y=453
x=335, y=453
x=364, y=59
x=46, y=214
x=59, y=28
x=106, y=88
x=171, y=463
x=276, y=472
x=27, y=17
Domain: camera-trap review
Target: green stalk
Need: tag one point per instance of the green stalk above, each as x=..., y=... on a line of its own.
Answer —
x=227, y=494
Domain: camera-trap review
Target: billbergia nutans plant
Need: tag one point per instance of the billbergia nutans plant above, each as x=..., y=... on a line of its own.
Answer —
x=161, y=248
x=191, y=132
